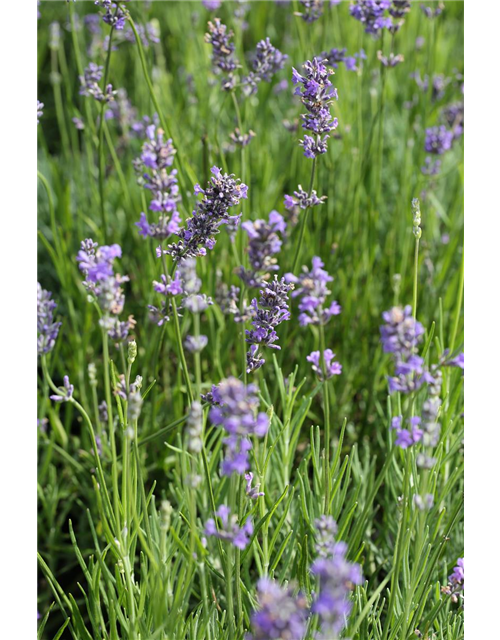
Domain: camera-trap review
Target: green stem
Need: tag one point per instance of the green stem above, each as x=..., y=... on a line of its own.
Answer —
x=326, y=410
x=415, y=278
x=304, y=220
x=102, y=160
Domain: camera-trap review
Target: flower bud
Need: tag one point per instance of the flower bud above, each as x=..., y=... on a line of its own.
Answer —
x=132, y=351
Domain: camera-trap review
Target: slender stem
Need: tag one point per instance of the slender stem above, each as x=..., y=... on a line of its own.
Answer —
x=326, y=410
x=111, y=428
x=415, y=278
x=304, y=219
x=458, y=307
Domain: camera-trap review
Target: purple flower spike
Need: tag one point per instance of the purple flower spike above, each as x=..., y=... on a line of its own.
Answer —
x=224, y=61
x=271, y=310
x=152, y=169
x=228, y=530
x=332, y=368
x=48, y=330
x=456, y=582
x=438, y=140
x=236, y=410
x=371, y=13
x=311, y=288
x=252, y=491
x=266, y=62
x=264, y=244
x=222, y=192
x=281, y=614
x=337, y=577
x=317, y=94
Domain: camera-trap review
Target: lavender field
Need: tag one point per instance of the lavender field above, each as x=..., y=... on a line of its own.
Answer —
x=250, y=320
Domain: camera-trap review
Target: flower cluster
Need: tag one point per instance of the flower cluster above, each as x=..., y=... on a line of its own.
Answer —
x=228, y=530
x=430, y=12
x=337, y=577
x=90, y=84
x=252, y=490
x=269, y=311
x=39, y=111
x=392, y=60
x=211, y=5
x=235, y=408
x=331, y=368
x=453, y=115
x=438, y=140
x=456, y=581
x=223, y=58
x=195, y=427
x=240, y=139
x=317, y=94
x=132, y=396
x=303, y=200
x=281, y=614
x=311, y=288
x=104, y=286
x=222, y=192
x=152, y=168
x=266, y=62
x=264, y=244
x=313, y=9
x=407, y=437
x=334, y=57
x=47, y=329
x=371, y=13
x=66, y=392
x=114, y=15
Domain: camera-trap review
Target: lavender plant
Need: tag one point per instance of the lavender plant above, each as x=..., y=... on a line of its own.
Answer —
x=185, y=489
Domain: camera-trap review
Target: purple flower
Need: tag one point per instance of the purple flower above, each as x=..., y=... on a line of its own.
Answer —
x=456, y=582
x=392, y=60
x=212, y=5
x=407, y=437
x=269, y=311
x=228, y=530
x=223, y=60
x=317, y=94
x=432, y=13
x=311, y=288
x=241, y=139
x=152, y=169
x=371, y=13
x=331, y=368
x=337, y=577
x=281, y=614
x=39, y=110
x=101, y=282
x=90, y=84
x=114, y=15
x=236, y=410
x=264, y=244
x=401, y=333
x=195, y=344
x=266, y=62
x=302, y=199
x=66, y=392
x=222, y=192
x=313, y=9
x=438, y=140
x=431, y=167
x=453, y=115
x=252, y=491
x=334, y=57
x=47, y=329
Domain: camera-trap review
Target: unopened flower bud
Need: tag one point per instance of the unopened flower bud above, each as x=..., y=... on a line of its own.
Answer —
x=165, y=514
x=132, y=351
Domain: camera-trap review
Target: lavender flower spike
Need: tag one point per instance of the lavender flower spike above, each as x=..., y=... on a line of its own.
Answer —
x=311, y=288
x=39, y=110
x=337, y=577
x=229, y=530
x=236, y=410
x=332, y=368
x=280, y=615
x=264, y=244
x=317, y=94
x=222, y=192
x=223, y=60
x=270, y=311
x=48, y=330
